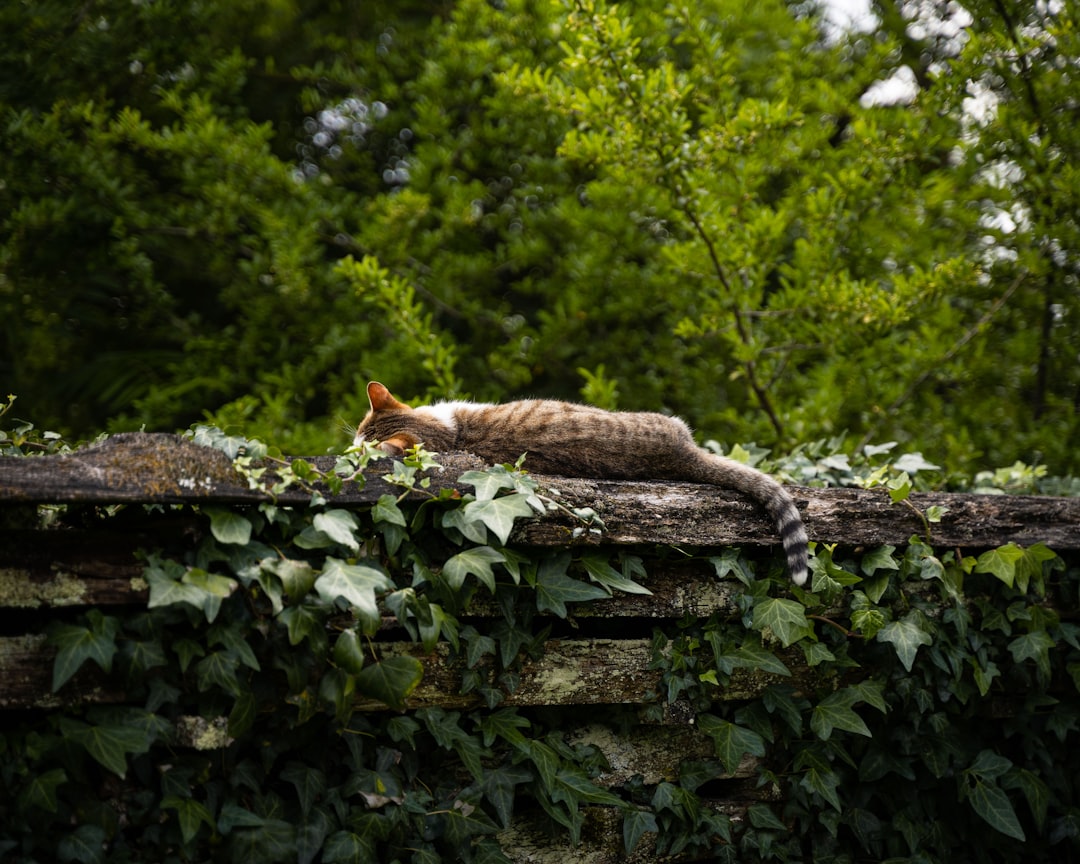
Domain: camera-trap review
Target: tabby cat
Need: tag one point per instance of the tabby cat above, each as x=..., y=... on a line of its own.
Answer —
x=573, y=440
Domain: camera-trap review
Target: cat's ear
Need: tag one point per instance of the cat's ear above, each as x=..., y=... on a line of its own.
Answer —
x=396, y=445
x=380, y=398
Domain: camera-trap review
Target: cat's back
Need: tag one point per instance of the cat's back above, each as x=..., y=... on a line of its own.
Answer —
x=563, y=437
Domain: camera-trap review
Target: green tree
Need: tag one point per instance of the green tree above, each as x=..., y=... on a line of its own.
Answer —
x=700, y=210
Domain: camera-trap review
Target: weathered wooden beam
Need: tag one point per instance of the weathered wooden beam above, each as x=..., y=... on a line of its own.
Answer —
x=158, y=468
x=570, y=672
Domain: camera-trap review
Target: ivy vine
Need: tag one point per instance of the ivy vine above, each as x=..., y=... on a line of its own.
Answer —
x=914, y=704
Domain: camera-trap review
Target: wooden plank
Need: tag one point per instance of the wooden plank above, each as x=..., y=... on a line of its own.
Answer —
x=571, y=672
x=156, y=468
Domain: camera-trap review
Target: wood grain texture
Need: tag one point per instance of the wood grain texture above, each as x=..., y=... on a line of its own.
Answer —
x=159, y=468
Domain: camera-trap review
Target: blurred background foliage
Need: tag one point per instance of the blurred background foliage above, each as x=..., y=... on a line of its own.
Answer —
x=731, y=210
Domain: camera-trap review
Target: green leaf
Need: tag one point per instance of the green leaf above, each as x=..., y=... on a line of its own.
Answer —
x=476, y=561
x=906, y=636
x=85, y=844
x=879, y=559
x=357, y=584
x=835, y=712
x=498, y=788
x=635, y=823
x=762, y=816
x=167, y=587
x=190, y=813
x=212, y=590
x=339, y=526
x=303, y=622
x=785, y=618
x=554, y=589
x=993, y=805
x=75, y=645
x=232, y=815
x=390, y=680
x=228, y=526
x=1001, y=562
x=345, y=847
x=731, y=741
x=40, y=790
x=348, y=652
x=297, y=577
x=488, y=483
x=273, y=841
x=507, y=725
x=108, y=744
x=602, y=572
x=575, y=785
x=1035, y=791
x=386, y=510
x=498, y=514
x=753, y=655
x=1034, y=646
x=309, y=782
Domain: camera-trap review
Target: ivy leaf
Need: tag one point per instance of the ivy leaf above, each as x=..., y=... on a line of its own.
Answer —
x=635, y=823
x=303, y=622
x=913, y=463
x=232, y=815
x=310, y=784
x=218, y=669
x=167, y=587
x=785, y=618
x=190, y=814
x=507, y=725
x=498, y=787
x=498, y=514
x=297, y=577
x=602, y=572
x=357, y=584
x=1001, y=562
x=879, y=559
x=554, y=589
x=386, y=510
x=825, y=782
x=993, y=805
x=274, y=840
x=75, y=645
x=835, y=712
x=348, y=653
x=476, y=561
x=212, y=590
x=762, y=816
x=1035, y=791
x=40, y=791
x=108, y=744
x=906, y=636
x=731, y=741
x=488, y=483
x=85, y=844
x=753, y=655
x=345, y=847
x=227, y=526
x=339, y=526
x=1034, y=646
x=390, y=680
x=574, y=784
x=470, y=530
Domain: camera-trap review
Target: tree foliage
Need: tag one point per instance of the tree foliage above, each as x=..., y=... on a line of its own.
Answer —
x=705, y=209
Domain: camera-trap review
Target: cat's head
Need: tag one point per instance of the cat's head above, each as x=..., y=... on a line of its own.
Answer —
x=396, y=426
